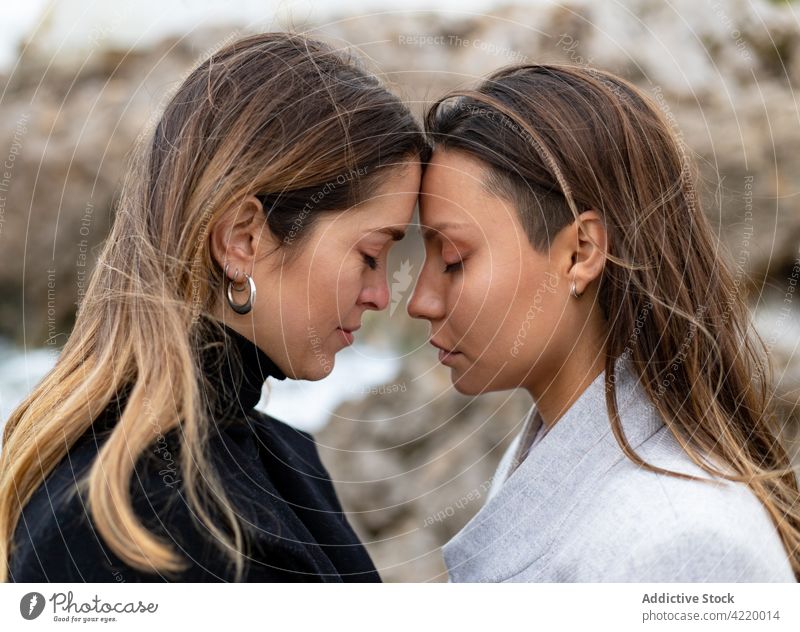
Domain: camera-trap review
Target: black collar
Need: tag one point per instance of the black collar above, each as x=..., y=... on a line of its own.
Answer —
x=235, y=369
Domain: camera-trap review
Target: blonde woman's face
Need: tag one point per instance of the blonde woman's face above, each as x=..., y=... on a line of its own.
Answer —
x=495, y=305
x=310, y=308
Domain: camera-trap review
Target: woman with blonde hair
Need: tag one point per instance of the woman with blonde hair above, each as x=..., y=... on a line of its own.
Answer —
x=249, y=240
x=567, y=254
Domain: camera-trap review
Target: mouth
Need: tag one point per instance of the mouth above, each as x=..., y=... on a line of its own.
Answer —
x=446, y=356
x=347, y=333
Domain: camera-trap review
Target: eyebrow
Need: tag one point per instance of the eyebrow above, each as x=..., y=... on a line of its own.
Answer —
x=431, y=232
x=395, y=233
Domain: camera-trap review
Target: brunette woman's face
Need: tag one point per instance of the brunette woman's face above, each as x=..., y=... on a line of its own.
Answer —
x=496, y=305
x=309, y=306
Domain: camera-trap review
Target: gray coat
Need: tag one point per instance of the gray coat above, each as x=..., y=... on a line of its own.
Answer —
x=578, y=510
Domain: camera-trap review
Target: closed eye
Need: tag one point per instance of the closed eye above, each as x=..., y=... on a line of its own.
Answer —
x=453, y=267
x=371, y=261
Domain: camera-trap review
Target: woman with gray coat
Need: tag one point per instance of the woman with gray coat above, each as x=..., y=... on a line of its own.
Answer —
x=567, y=254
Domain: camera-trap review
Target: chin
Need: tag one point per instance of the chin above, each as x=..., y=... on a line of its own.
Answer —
x=474, y=384
x=318, y=368
x=468, y=385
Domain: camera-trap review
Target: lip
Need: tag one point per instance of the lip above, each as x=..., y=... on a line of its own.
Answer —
x=347, y=334
x=446, y=356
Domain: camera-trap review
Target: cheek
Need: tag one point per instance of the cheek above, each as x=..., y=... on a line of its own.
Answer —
x=306, y=301
x=467, y=302
x=348, y=288
x=484, y=305
x=332, y=290
x=511, y=314
x=535, y=322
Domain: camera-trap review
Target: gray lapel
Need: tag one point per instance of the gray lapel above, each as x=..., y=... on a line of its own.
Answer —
x=520, y=521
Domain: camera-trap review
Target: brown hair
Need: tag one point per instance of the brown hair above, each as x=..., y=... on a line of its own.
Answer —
x=294, y=121
x=560, y=139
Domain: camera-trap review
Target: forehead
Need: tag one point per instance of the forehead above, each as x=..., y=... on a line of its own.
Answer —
x=452, y=193
x=453, y=173
x=387, y=211
x=396, y=197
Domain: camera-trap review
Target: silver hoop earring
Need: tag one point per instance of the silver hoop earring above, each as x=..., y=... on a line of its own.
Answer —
x=574, y=291
x=241, y=308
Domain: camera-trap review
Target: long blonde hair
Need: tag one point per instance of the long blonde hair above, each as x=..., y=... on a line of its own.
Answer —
x=278, y=115
x=559, y=139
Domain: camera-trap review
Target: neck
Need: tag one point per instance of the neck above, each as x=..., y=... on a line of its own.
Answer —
x=236, y=367
x=555, y=392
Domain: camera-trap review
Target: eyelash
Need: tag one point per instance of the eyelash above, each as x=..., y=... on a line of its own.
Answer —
x=453, y=267
x=372, y=262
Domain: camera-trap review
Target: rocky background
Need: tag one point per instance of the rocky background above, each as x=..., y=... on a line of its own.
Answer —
x=412, y=460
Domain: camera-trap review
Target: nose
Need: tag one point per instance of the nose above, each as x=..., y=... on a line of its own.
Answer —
x=426, y=301
x=375, y=295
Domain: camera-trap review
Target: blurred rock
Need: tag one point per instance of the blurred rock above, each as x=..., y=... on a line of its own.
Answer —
x=71, y=129
x=413, y=463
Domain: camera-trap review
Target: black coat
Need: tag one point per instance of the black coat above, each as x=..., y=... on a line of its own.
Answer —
x=271, y=473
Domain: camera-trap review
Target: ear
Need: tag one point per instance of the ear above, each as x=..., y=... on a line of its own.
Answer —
x=588, y=249
x=236, y=238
